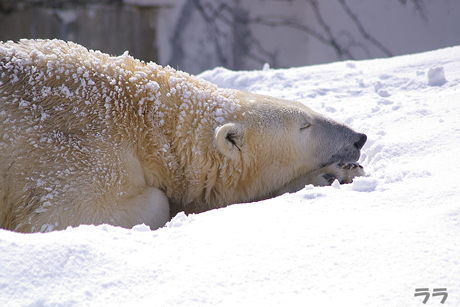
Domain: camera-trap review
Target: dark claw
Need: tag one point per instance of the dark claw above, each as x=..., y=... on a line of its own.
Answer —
x=349, y=165
x=329, y=178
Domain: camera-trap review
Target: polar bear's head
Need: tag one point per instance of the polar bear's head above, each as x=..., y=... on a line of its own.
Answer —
x=280, y=140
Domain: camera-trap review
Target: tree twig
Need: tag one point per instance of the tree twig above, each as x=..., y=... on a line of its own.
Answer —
x=362, y=31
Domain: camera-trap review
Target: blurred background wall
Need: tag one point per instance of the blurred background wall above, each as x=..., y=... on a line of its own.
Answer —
x=195, y=35
x=107, y=25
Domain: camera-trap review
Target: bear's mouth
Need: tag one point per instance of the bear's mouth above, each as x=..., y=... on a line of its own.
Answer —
x=347, y=154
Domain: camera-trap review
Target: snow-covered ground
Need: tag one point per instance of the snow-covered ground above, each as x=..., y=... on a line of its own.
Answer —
x=370, y=243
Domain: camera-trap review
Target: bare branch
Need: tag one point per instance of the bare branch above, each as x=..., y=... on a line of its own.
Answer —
x=212, y=26
x=233, y=18
x=218, y=15
x=361, y=29
x=419, y=7
x=332, y=41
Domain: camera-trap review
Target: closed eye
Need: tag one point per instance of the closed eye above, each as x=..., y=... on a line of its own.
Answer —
x=305, y=126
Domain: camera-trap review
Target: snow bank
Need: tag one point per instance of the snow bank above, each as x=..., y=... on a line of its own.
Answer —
x=370, y=243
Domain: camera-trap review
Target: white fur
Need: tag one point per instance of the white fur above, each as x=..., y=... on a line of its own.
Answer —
x=151, y=207
x=86, y=138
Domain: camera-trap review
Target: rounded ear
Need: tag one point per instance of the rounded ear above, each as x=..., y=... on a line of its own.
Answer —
x=230, y=139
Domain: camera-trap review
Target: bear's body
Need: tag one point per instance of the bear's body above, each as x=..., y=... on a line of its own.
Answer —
x=86, y=138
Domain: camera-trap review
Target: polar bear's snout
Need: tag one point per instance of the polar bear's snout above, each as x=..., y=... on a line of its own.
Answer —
x=361, y=142
x=348, y=145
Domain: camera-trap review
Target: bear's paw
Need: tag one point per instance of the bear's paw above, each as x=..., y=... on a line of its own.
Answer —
x=344, y=172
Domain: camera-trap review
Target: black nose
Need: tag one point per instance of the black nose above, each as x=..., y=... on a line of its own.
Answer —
x=361, y=142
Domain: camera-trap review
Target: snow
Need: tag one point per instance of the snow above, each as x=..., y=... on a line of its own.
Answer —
x=436, y=76
x=369, y=243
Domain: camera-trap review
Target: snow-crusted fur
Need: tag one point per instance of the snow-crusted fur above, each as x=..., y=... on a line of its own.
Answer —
x=86, y=138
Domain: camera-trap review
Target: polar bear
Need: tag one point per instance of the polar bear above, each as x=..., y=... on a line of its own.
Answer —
x=86, y=138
